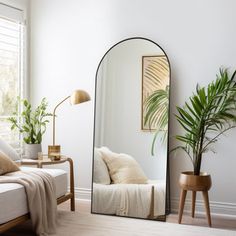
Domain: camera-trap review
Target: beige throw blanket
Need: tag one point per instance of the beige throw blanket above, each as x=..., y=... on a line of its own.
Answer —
x=40, y=190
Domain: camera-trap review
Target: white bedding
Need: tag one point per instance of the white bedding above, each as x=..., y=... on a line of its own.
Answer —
x=129, y=199
x=13, y=202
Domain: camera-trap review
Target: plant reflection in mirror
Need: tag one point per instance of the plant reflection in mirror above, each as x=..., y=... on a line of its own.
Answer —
x=157, y=112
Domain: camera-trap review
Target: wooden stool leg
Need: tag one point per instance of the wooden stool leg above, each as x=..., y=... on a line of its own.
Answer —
x=207, y=206
x=193, y=202
x=181, y=204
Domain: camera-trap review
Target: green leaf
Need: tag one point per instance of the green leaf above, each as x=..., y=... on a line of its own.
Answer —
x=210, y=111
x=25, y=102
x=32, y=121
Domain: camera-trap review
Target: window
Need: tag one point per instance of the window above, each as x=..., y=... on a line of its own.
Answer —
x=12, y=76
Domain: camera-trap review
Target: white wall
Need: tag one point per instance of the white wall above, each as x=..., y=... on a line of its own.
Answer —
x=120, y=129
x=69, y=37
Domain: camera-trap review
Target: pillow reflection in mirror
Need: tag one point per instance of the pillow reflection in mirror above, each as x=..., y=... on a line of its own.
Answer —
x=123, y=168
x=101, y=175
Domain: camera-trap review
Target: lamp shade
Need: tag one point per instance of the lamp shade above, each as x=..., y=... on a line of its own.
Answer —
x=79, y=96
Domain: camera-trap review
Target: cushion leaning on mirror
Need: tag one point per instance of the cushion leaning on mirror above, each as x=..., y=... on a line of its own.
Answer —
x=100, y=174
x=123, y=168
x=7, y=165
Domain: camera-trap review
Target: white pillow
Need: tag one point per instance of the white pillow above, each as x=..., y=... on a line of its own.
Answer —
x=100, y=171
x=123, y=169
x=8, y=150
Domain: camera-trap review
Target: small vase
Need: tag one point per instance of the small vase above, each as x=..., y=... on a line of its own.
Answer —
x=32, y=150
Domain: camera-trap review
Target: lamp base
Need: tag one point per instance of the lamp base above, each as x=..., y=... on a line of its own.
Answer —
x=54, y=152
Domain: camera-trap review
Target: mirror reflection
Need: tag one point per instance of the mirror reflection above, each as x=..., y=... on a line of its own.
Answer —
x=127, y=179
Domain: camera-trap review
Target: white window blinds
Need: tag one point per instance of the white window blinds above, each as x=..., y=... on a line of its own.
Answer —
x=11, y=69
x=11, y=13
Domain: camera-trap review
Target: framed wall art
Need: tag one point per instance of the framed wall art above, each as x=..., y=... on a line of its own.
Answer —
x=155, y=85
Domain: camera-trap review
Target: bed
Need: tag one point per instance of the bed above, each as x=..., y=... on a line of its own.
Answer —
x=13, y=200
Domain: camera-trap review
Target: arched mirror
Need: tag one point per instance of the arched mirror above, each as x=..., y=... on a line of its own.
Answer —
x=127, y=179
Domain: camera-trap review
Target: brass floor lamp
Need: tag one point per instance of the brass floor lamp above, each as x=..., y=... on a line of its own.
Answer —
x=77, y=97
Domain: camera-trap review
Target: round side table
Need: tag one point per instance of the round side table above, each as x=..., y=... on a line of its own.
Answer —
x=46, y=161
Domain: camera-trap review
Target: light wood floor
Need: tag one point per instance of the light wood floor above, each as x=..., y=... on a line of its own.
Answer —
x=217, y=222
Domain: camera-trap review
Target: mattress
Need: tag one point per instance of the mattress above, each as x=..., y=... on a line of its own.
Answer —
x=13, y=200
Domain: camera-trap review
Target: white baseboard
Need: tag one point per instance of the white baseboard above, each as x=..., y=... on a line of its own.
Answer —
x=83, y=194
x=221, y=209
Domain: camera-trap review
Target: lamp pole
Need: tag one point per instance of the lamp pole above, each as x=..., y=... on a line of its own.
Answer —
x=78, y=96
x=54, y=116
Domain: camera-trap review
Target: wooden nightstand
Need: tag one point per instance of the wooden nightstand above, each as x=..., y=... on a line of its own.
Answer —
x=46, y=161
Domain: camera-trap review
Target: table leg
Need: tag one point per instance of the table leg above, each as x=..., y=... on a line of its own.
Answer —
x=72, y=185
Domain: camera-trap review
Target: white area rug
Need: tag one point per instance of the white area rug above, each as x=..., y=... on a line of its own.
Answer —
x=85, y=224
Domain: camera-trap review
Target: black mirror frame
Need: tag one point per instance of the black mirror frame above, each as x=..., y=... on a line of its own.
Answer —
x=168, y=202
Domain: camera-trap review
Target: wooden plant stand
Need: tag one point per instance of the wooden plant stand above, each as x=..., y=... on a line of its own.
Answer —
x=194, y=183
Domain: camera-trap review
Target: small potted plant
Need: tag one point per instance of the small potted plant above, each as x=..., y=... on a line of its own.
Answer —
x=209, y=113
x=32, y=124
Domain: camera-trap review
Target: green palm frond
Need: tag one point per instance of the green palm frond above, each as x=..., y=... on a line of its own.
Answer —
x=157, y=113
x=209, y=113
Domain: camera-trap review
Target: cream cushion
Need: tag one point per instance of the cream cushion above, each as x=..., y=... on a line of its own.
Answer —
x=100, y=171
x=6, y=164
x=123, y=169
x=9, y=150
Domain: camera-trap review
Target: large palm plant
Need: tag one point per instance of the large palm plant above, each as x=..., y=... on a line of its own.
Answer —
x=209, y=113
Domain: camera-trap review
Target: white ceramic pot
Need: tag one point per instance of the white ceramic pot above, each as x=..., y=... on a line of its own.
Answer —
x=32, y=150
